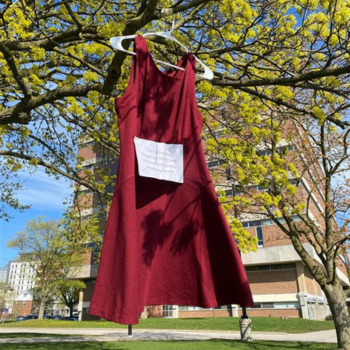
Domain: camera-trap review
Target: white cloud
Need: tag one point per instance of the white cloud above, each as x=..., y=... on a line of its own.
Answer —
x=43, y=191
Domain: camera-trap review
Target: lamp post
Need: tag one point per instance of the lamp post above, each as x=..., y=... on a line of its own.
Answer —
x=245, y=323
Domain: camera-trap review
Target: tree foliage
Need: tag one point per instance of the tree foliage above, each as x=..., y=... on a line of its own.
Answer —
x=281, y=69
x=59, y=73
x=69, y=293
x=6, y=295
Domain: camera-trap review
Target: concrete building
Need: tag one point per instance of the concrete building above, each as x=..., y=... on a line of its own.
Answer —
x=21, y=276
x=3, y=274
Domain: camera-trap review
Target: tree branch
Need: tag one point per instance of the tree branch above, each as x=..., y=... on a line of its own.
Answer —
x=180, y=8
x=20, y=112
x=12, y=64
x=291, y=81
x=280, y=102
x=80, y=60
x=73, y=16
x=50, y=42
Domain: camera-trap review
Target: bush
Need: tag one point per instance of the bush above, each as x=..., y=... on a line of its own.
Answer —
x=329, y=318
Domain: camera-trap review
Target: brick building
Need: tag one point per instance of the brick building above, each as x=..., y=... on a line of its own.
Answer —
x=281, y=284
x=23, y=304
x=88, y=203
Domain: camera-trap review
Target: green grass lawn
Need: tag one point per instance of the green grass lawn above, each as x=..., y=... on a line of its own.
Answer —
x=260, y=324
x=214, y=344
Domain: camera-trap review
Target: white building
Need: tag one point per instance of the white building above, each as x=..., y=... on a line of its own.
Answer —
x=3, y=274
x=21, y=276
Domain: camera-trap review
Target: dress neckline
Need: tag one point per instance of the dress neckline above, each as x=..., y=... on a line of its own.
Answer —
x=185, y=57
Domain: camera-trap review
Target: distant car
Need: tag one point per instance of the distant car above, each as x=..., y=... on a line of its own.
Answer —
x=71, y=319
x=47, y=317
x=58, y=317
x=26, y=318
x=31, y=317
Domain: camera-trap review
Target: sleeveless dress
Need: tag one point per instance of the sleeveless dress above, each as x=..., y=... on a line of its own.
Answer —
x=165, y=243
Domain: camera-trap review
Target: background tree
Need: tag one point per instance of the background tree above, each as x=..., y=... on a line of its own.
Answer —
x=53, y=255
x=69, y=291
x=271, y=58
x=6, y=295
x=295, y=173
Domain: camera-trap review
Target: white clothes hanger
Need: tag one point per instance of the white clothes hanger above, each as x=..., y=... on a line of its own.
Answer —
x=116, y=43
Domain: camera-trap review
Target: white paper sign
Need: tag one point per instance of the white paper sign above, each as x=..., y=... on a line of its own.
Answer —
x=159, y=160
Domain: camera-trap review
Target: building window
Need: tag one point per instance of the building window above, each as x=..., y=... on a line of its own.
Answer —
x=259, y=234
x=197, y=308
x=267, y=222
x=287, y=305
x=311, y=310
x=277, y=267
x=278, y=305
x=215, y=163
x=320, y=310
x=223, y=307
x=287, y=266
x=263, y=306
x=190, y=308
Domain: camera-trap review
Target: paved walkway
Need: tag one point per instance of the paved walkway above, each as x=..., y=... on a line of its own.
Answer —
x=107, y=334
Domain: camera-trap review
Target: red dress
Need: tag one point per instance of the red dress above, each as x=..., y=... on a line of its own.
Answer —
x=165, y=243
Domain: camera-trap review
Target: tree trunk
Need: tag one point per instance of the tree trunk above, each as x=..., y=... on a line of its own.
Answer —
x=71, y=307
x=41, y=309
x=337, y=303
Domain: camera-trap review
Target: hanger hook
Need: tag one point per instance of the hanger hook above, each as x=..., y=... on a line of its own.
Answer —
x=173, y=21
x=173, y=24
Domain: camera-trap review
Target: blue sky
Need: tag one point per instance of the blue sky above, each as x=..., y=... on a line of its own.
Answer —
x=46, y=195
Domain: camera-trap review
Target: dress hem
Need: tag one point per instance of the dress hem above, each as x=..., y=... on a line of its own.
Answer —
x=112, y=317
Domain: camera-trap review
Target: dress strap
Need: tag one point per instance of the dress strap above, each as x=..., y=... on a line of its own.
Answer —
x=142, y=55
x=136, y=73
x=139, y=63
x=191, y=77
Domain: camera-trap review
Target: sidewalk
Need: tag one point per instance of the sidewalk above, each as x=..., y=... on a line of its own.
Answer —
x=107, y=334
